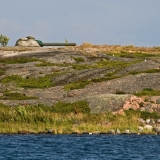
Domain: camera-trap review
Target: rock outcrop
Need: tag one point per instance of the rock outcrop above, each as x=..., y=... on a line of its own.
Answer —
x=108, y=87
x=27, y=42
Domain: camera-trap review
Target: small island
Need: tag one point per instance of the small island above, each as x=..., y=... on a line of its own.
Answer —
x=85, y=89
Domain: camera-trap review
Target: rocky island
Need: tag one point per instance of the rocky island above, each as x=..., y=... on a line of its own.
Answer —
x=89, y=88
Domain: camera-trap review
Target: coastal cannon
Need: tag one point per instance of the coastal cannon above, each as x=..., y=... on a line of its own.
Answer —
x=32, y=42
x=55, y=44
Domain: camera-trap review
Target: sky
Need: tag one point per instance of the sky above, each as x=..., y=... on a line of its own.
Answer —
x=112, y=22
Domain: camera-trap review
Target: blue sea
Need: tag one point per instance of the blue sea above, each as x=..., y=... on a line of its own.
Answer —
x=80, y=147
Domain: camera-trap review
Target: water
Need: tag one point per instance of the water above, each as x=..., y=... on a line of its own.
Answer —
x=79, y=147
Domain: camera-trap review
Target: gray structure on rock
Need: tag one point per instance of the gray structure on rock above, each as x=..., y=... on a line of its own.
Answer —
x=30, y=41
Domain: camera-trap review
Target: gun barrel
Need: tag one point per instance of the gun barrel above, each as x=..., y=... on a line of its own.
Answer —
x=59, y=44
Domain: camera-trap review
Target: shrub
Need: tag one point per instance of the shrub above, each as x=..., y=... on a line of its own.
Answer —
x=4, y=40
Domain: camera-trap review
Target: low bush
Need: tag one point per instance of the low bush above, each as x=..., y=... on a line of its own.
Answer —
x=4, y=40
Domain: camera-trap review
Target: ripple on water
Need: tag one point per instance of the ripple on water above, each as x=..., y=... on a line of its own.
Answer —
x=80, y=147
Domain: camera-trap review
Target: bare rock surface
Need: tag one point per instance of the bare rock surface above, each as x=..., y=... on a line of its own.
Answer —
x=115, y=94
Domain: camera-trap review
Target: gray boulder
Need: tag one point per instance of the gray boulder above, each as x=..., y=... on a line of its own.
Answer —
x=27, y=42
x=158, y=121
x=100, y=103
x=118, y=131
x=141, y=120
x=127, y=131
x=148, y=121
x=111, y=131
x=157, y=129
x=148, y=127
x=140, y=128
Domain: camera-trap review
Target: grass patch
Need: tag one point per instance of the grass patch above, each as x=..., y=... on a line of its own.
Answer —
x=76, y=85
x=103, y=64
x=78, y=59
x=44, y=63
x=143, y=114
x=15, y=96
x=152, y=71
x=41, y=113
x=134, y=54
x=146, y=71
x=82, y=66
x=67, y=118
x=82, y=84
x=41, y=82
x=111, y=64
x=16, y=48
x=77, y=107
x=14, y=60
x=2, y=72
x=106, y=78
x=148, y=92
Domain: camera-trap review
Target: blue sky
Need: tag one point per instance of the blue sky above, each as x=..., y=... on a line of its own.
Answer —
x=121, y=22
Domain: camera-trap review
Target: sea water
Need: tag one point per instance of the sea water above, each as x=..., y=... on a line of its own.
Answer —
x=80, y=147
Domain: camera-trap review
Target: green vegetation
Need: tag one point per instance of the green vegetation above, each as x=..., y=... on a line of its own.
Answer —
x=152, y=71
x=82, y=84
x=77, y=107
x=146, y=71
x=41, y=82
x=4, y=40
x=76, y=85
x=134, y=54
x=16, y=48
x=148, y=92
x=70, y=117
x=15, y=96
x=103, y=64
x=14, y=60
x=111, y=64
x=106, y=78
x=82, y=66
x=78, y=59
x=2, y=72
x=44, y=63
x=143, y=114
x=67, y=118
